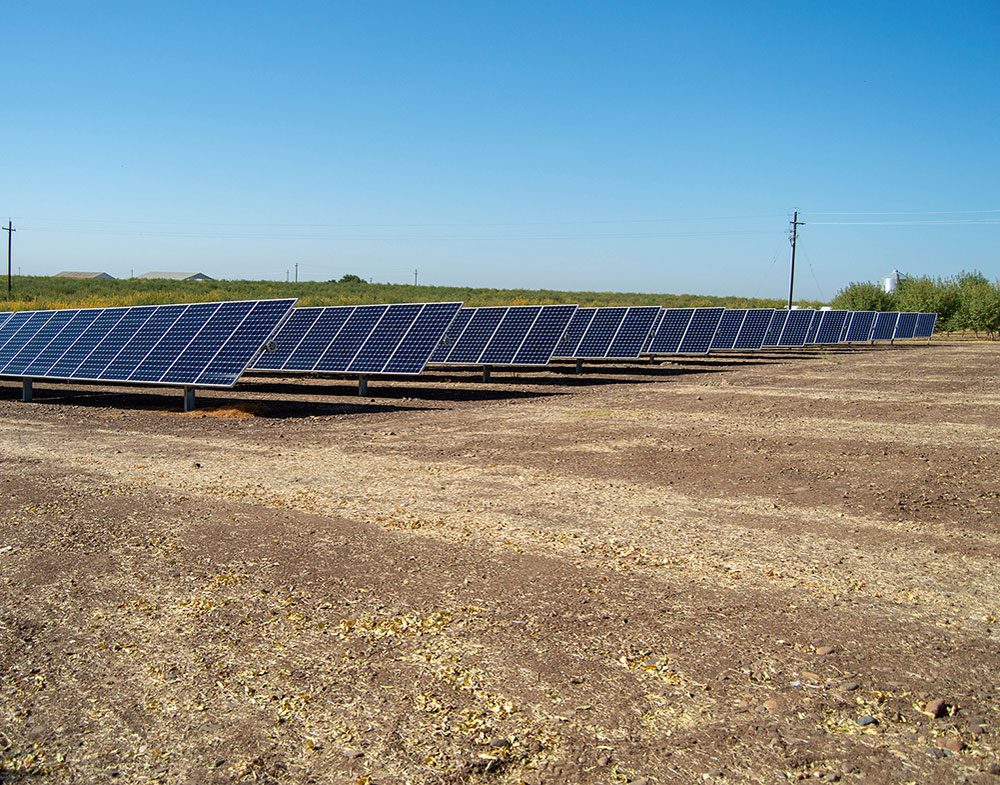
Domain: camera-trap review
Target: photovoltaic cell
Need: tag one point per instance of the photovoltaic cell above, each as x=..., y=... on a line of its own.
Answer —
x=906, y=325
x=601, y=332
x=652, y=331
x=729, y=328
x=925, y=325
x=884, y=326
x=470, y=346
x=544, y=336
x=200, y=344
x=701, y=330
x=796, y=327
x=670, y=333
x=414, y=351
x=634, y=333
x=860, y=328
x=846, y=327
x=754, y=328
x=773, y=334
x=288, y=338
x=830, y=327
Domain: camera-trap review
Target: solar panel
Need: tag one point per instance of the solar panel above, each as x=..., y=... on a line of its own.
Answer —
x=830, y=326
x=670, y=333
x=925, y=325
x=729, y=328
x=197, y=344
x=652, y=331
x=846, y=327
x=860, y=328
x=452, y=334
x=361, y=339
x=796, y=326
x=754, y=328
x=817, y=316
x=906, y=325
x=884, y=325
x=608, y=333
x=517, y=335
x=773, y=334
x=701, y=330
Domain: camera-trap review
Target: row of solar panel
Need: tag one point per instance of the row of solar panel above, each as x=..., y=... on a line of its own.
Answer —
x=203, y=344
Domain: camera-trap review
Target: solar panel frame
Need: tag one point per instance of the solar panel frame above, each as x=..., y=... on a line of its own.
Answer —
x=753, y=329
x=796, y=327
x=700, y=331
x=884, y=325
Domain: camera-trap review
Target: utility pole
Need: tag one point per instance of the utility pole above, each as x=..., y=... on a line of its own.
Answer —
x=796, y=223
x=9, y=228
x=296, y=272
x=414, y=277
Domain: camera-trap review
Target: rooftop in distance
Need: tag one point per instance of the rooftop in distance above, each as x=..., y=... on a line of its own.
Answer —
x=177, y=276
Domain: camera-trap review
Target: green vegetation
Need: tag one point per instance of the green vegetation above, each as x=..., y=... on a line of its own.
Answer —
x=968, y=301
x=39, y=292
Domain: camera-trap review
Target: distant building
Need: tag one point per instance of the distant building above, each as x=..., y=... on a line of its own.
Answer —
x=81, y=275
x=177, y=276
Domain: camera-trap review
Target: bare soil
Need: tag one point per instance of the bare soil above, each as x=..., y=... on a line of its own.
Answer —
x=745, y=568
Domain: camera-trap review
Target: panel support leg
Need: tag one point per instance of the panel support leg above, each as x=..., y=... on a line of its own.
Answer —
x=579, y=367
x=189, y=399
x=26, y=390
x=362, y=386
x=486, y=374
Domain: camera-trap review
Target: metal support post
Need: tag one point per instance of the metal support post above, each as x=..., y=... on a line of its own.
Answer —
x=579, y=367
x=362, y=386
x=189, y=399
x=26, y=390
x=486, y=373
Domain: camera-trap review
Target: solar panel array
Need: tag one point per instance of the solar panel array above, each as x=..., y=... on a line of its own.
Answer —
x=608, y=333
x=197, y=344
x=515, y=335
x=361, y=339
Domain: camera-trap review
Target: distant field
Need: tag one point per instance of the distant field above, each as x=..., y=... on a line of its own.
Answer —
x=39, y=292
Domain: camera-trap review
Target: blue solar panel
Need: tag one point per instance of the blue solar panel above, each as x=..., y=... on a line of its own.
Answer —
x=670, y=333
x=846, y=327
x=701, y=330
x=796, y=327
x=362, y=339
x=469, y=347
x=634, y=333
x=860, y=328
x=509, y=336
x=773, y=334
x=817, y=317
x=288, y=338
x=166, y=344
x=884, y=326
x=544, y=335
x=830, y=326
x=906, y=325
x=652, y=331
x=452, y=334
x=925, y=325
x=754, y=328
x=575, y=330
x=729, y=328
x=601, y=332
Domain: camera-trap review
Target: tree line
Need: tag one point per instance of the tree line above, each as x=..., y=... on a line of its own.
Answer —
x=967, y=301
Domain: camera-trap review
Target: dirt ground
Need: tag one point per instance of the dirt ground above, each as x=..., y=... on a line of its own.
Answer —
x=732, y=569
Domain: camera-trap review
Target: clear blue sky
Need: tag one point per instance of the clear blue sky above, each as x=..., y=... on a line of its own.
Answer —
x=611, y=146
